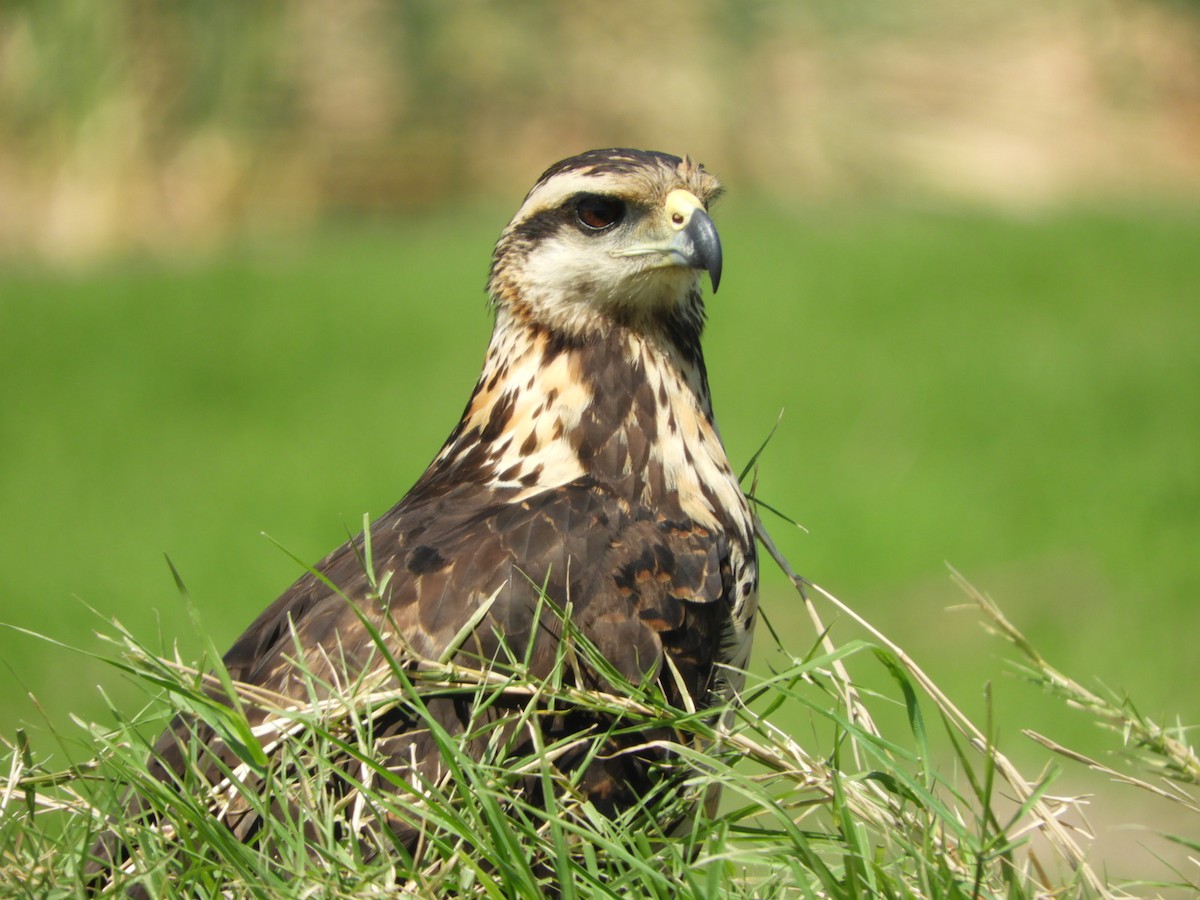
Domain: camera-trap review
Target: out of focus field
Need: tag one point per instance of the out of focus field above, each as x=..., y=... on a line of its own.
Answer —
x=1016, y=397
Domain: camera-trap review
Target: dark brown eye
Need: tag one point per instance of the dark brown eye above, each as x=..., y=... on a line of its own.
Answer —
x=597, y=213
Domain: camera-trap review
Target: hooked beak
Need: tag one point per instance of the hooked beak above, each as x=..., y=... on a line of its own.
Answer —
x=699, y=246
x=694, y=244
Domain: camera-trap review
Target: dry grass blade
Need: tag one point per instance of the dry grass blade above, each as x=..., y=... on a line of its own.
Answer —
x=1176, y=758
x=856, y=709
x=1046, y=817
x=1169, y=793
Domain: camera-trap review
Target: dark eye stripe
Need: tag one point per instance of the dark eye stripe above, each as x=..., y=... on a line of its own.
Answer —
x=546, y=222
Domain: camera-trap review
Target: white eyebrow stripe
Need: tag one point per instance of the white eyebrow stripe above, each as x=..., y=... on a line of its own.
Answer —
x=560, y=187
x=629, y=185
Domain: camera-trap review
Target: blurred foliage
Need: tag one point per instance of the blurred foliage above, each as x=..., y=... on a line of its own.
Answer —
x=163, y=125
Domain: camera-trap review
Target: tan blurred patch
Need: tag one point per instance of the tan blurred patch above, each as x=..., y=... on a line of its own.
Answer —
x=155, y=128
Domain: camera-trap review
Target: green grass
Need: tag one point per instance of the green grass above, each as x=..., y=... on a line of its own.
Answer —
x=1020, y=398
x=855, y=810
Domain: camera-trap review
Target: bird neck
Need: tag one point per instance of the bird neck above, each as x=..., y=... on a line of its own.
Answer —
x=627, y=408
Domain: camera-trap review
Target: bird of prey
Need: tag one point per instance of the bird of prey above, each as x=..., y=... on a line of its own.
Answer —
x=587, y=469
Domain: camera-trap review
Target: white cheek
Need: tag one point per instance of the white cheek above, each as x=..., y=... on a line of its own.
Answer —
x=568, y=279
x=563, y=267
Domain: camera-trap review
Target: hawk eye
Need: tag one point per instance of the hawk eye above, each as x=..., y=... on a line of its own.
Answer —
x=596, y=213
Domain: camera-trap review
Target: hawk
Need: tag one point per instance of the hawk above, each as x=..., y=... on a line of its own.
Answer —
x=587, y=469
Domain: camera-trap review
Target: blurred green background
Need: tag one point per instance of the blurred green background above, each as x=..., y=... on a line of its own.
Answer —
x=242, y=251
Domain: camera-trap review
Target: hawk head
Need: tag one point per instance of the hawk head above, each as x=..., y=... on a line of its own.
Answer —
x=609, y=237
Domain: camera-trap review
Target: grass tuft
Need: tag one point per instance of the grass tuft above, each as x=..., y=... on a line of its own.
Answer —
x=851, y=810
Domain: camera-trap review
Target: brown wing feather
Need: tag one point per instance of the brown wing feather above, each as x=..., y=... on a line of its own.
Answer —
x=617, y=566
x=638, y=585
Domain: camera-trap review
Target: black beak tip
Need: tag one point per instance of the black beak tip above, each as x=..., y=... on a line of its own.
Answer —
x=706, y=246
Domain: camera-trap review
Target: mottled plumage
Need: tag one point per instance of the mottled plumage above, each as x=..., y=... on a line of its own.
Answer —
x=587, y=462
